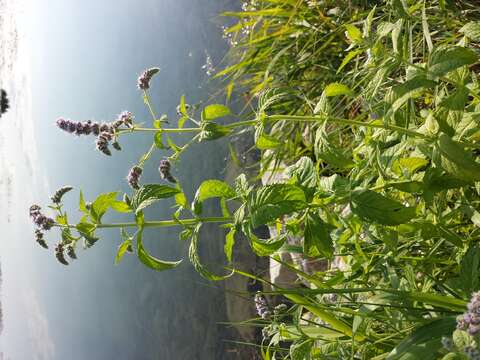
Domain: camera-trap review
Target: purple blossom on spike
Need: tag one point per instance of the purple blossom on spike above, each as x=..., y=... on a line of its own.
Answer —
x=57, y=197
x=470, y=321
x=134, y=176
x=41, y=221
x=60, y=254
x=40, y=240
x=102, y=142
x=145, y=77
x=261, y=306
x=126, y=117
x=164, y=170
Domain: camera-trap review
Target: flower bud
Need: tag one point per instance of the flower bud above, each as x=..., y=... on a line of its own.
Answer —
x=57, y=197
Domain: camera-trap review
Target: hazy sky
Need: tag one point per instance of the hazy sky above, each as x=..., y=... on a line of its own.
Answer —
x=80, y=59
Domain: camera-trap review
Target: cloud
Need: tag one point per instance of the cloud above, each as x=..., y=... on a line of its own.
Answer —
x=38, y=329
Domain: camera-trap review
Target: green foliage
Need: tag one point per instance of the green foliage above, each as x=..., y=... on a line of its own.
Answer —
x=151, y=193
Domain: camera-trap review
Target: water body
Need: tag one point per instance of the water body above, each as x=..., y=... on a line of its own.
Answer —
x=84, y=59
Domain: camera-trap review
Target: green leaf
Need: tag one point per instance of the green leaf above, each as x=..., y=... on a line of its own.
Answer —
x=158, y=140
x=408, y=166
x=471, y=30
x=371, y=206
x=183, y=106
x=229, y=242
x=121, y=207
x=270, y=202
x=426, y=333
x=409, y=89
x=353, y=33
x=301, y=350
x=445, y=59
x=457, y=100
x=150, y=261
x=195, y=259
x=150, y=193
x=81, y=204
x=266, y=141
x=469, y=270
x=212, y=131
x=350, y=56
x=215, y=111
x=304, y=173
x=101, y=204
x=317, y=240
x=268, y=247
x=456, y=161
x=400, y=8
x=211, y=189
x=122, y=249
x=336, y=89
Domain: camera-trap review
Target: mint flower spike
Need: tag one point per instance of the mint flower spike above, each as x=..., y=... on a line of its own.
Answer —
x=40, y=240
x=103, y=141
x=470, y=321
x=57, y=197
x=134, y=176
x=164, y=170
x=262, y=307
x=4, y=102
x=144, y=79
x=60, y=254
x=41, y=221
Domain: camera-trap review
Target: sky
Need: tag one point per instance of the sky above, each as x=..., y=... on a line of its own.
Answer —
x=80, y=59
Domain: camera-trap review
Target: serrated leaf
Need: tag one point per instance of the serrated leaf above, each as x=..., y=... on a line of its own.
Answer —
x=272, y=201
x=301, y=350
x=150, y=261
x=349, y=57
x=471, y=30
x=214, y=111
x=101, y=204
x=303, y=171
x=469, y=270
x=150, y=193
x=317, y=240
x=266, y=141
x=409, y=89
x=369, y=205
x=336, y=89
x=445, y=59
x=268, y=247
x=456, y=161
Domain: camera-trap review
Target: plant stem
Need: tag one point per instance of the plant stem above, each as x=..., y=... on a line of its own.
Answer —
x=160, y=223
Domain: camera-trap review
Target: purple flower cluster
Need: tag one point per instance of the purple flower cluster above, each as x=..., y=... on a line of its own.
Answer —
x=470, y=321
x=40, y=240
x=134, y=176
x=41, y=221
x=105, y=132
x=145, y=78
x=262, y=307
x=60, y=254
x=57, y=197
x=164, y=170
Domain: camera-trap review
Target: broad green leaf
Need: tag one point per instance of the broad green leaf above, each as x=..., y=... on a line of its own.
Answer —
x=426, y=333
x=301, y=350
x=270, y=202
x=304, y=173
x=181, y=200
x=266, y=141
x=371, y=206
x=101, y=204
x=472, y=30
x=456, y=161
x=150, y=193
x=332, y=155
x=317, y=240
x=457, y=100
x=445, y=59
x=214, y=111
x=400, y=8
x=81, y=204
x=211, y=189
x=150, y=261
x=446, y=302
x=336, y=89
x=122, y=249
x=353, y=33
x=229, y=242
